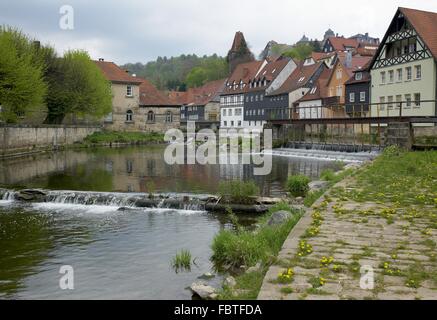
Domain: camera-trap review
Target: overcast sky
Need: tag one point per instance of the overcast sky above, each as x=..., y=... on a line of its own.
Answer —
x=141, y=30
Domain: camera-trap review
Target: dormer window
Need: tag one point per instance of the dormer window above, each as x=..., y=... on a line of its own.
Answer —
x=313, y=90
x=301, y=79
x=273, y=71
x=358, y=76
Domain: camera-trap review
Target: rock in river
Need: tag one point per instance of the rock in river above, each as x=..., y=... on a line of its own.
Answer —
x=317, y=185
x=31, y=195
x=278, y=218
x=204, y=291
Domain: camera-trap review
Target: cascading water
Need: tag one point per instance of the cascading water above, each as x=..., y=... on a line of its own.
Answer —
x=327, y=155
x=190, y=202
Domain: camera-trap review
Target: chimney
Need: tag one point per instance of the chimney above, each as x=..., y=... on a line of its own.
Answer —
x=348, y=62
x=101, y=59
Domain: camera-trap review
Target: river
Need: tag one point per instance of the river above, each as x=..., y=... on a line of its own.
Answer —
x=115, y=254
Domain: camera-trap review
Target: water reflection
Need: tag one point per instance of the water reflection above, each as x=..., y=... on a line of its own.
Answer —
x=136, y=169
x=116, y=254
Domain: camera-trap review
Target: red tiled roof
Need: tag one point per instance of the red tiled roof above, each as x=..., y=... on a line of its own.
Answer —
x=358, y=62
x=317, y=56
x=366, y=78
x=243, y=72
x=114, y=73
x=151, y=96
x=292, y=83
x=198, y=96
x=321, y=91
x=207, y=93
x=340, y=43
x=273, y=68
x=425, y=24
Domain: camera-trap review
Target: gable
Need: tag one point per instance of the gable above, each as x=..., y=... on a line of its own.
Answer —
x=402, y=43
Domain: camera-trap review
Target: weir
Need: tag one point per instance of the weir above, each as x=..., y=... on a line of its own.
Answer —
x=127, y=201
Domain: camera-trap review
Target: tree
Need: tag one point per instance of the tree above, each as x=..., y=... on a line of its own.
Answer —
x=22, y=87
x=197, y=77
x=316, y=46
x=76, y=85
x=299, y=52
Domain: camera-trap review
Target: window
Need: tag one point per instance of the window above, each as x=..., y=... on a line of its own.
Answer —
x=409, y=73
x=412, y=48
x=358, y=76
x=399, y=75
x=232, y=123
x=238, y=112
x=313, y=90
x=229, y=112
x=383, y=77
x=129, y=92
x=339, y=74
x=225, y=123
x=168, y=116
x=391, y=76
x=339, y=91
x=408, y=100
x=362, y=96
x=224, y=112
x=352, y=97
x=301, y=79
x=417, y=100
x=390, y=102
x=382, y=103
x=398, y=101
x=261, y=97
x=129, y=116
x=151, y=116
x=239, y=123
x=418, y=72
x=247, y=99
x=256, y=98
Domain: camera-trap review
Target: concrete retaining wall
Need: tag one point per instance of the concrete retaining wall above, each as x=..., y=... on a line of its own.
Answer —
x=18, y=139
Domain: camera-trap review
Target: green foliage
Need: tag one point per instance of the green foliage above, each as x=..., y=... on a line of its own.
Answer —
x=105, y=137
x=327, y=175
x=182, y=261
x=22, y=87
x=238, y=192
x=299, y=52
x=174, y=73
x=76, y=85
x=247, y=247
x=298, y=185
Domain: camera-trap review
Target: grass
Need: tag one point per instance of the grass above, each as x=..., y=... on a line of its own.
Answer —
x=106, y=137
x=238, y=192
x=182, y=261
x=298, y=185
x=234, y=248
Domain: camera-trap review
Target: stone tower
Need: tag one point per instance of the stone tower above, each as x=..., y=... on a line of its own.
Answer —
x=239, y=52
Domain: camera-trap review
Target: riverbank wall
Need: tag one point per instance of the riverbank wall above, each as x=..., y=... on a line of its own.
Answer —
x=17, y=140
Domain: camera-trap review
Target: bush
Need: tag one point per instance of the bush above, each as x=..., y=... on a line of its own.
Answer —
x=327, y=175
x=298, y=185
x=123, y=137
x=238, y=192
x=247, y=248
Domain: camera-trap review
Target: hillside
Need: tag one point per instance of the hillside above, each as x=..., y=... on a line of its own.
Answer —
x=179, y=73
